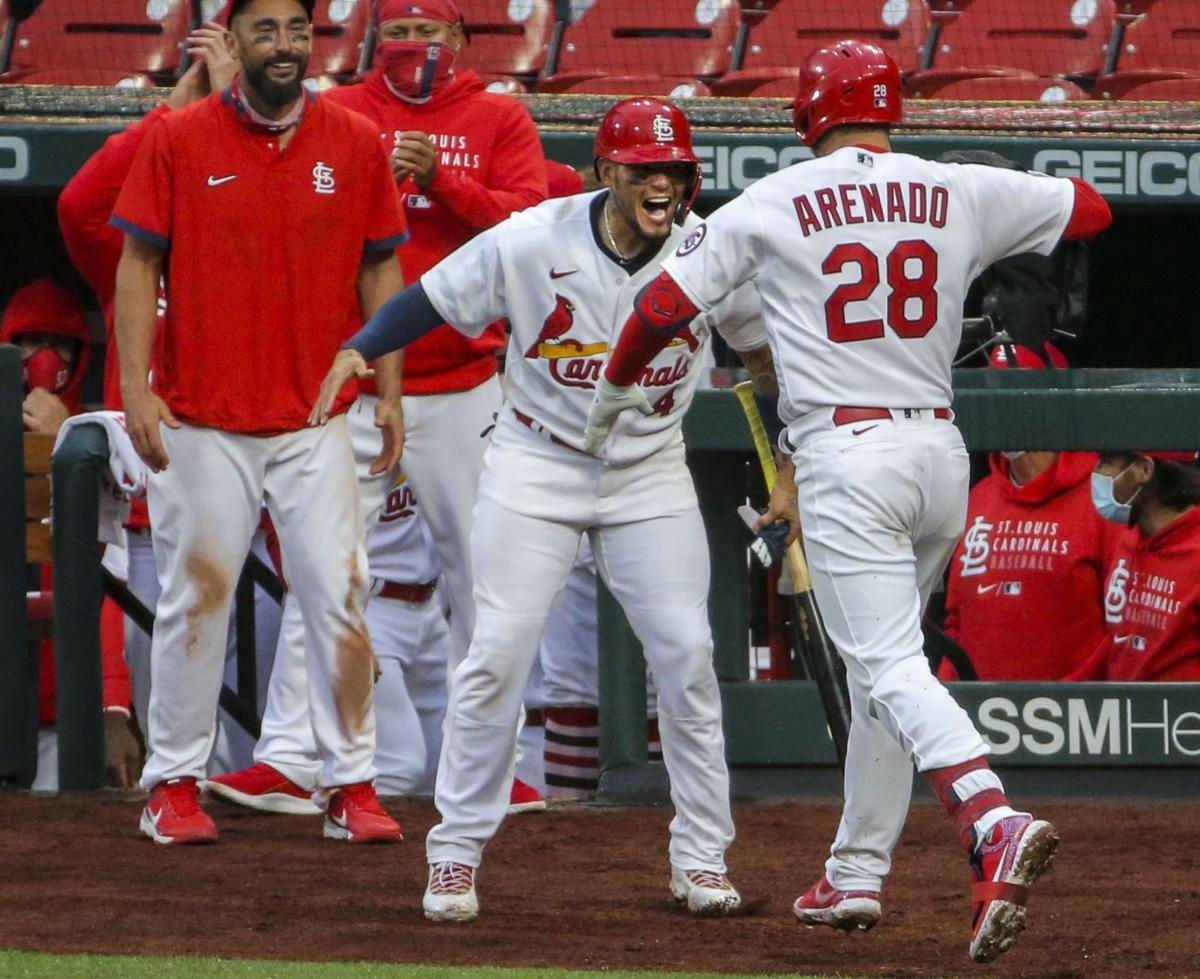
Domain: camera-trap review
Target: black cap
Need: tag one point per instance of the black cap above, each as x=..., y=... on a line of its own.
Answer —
x=236, y=6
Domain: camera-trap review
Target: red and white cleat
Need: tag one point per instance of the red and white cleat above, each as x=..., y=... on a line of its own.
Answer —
x=1014, y=854
x=844, y=910
x=173, y=814
x=263, y=788
x=355, y=815
x=450, y=894
x=706, y=892
x=525, y=798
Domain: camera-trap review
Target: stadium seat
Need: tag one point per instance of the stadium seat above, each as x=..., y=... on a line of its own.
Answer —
x=1033, y=38
x=681, y=38
x=508, y=38
x=792, y=29
x=1165, y=90
x=75, y=39
x=339, y=31
x=1008, y=88
x=1160, y=41
x=783, y=87
x=660, y=85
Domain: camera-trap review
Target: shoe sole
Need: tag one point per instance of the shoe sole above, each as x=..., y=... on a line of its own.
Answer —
x=518, y=807
x=854, y=914
x=147, y=827
x=272, y=802
x=457, y=915
x=332, y=831
x=1003, y=921
x=711, y=909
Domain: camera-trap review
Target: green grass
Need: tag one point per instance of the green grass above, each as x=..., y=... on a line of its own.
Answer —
x=24, y=965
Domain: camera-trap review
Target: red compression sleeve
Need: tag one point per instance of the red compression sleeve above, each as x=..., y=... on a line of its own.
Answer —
x=660, y=311
x=1091, y=214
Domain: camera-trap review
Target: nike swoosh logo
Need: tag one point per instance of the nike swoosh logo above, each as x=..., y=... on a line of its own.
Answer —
x=555, y=274
x=984, y=589
x=217, y=181
x=1121, y=640
x=862, y=431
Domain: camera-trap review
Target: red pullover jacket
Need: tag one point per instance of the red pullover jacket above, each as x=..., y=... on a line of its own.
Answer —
x=1025, y=592
x=1152, y=608
x=490, y=165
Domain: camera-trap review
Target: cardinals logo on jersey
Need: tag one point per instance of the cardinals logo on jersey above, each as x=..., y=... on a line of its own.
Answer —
x=560, y=320
x=1116, y=597
x=976, y=548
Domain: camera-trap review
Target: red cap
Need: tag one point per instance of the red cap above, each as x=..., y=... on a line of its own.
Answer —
x=445, y=11
x=1014, y=355
x=850, y=82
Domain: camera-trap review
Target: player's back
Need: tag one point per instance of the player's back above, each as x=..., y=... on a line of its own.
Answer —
x=864, y=258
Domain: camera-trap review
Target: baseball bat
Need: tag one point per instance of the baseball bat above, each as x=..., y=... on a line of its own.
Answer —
x=808, y=632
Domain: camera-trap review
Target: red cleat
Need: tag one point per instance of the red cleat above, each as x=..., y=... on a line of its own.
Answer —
x=844, y=910
x=261, y=787
x=525, y=798
x=173, y=814
x=355, y=815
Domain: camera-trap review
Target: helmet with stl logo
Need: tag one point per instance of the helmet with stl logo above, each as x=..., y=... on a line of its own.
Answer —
x=649, y=130
x=847, y=83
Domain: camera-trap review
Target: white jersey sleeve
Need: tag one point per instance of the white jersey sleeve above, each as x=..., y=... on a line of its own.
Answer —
x=467, y=287
x=719, y=255
x=1017, y=212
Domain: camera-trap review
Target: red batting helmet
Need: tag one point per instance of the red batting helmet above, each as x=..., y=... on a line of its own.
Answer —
x=1014, y=355
x=649, y=130
x=847, y=82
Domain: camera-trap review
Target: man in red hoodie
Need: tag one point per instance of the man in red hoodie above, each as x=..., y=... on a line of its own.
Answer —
x=1152, y=604
x=1025, y=594
x=47, y=324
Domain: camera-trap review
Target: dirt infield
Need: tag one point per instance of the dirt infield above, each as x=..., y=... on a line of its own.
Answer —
x=586, y=888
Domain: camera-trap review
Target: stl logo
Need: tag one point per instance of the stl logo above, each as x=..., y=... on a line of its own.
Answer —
x=1117, y=596
x=692, y=241
x=664, y=132
x=323, y=179
x=976, y=548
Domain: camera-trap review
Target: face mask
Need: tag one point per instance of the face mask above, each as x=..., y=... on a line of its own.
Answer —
x=1105, y=503
x=45, y=369
x=415, y=69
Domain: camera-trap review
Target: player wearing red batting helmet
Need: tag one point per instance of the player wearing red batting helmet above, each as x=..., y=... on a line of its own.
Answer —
x=848, y=83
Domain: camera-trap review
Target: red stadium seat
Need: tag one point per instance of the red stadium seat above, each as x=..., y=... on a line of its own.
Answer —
x=683, y=38
x=1165, y=90
x=1007, y=88
x=783, y=87
x=339, y=30
x=1046, y=38
x=660, y=85
x=1161, y=41
x=792, y=29
x=77, y=38
x=507, y=38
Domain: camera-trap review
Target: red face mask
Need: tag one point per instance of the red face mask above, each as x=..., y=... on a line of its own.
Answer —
x=45, y=369
x=415, y=69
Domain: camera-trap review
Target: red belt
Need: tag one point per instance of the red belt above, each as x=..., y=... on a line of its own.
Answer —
x=849, y=416
x=417, y=594
x=541, y=429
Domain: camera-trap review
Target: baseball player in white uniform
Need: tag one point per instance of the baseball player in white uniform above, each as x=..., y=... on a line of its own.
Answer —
x=562, y=272
x=861, y=258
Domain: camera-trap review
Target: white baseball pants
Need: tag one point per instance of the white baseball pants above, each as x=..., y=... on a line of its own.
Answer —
x=535, y=500
x=881, y=513
x=204, y=508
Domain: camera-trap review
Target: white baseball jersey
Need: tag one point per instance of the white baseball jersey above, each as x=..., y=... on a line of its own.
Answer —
x=400, y=547
x=567, y=301
x=855, y=316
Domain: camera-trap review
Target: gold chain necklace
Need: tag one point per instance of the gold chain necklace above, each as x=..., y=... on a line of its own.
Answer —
x=611, y=240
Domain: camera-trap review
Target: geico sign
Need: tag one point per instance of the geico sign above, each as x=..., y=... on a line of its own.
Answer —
x=1074, y=726
x=1127, y=173
x=14, y=158
x=737, y=167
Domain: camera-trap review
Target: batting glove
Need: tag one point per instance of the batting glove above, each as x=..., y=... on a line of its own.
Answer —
x=769, y=543
x=609, y=402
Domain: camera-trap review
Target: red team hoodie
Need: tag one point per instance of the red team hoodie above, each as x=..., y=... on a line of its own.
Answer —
x=490, y=164
x=1152, y=608
x=1025, y=594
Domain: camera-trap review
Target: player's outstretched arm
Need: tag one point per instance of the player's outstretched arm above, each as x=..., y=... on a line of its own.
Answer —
x=347, y=364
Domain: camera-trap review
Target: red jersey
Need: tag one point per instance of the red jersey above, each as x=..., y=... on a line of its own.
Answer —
x=84, y=208
x=1025, y=596
x=1152, y=608
x=490, y=164
x=264, y=251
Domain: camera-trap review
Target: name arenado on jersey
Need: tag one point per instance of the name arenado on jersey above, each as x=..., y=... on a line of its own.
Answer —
x=893, y=202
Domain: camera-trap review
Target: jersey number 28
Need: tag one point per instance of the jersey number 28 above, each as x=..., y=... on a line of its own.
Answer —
x=903, y=286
